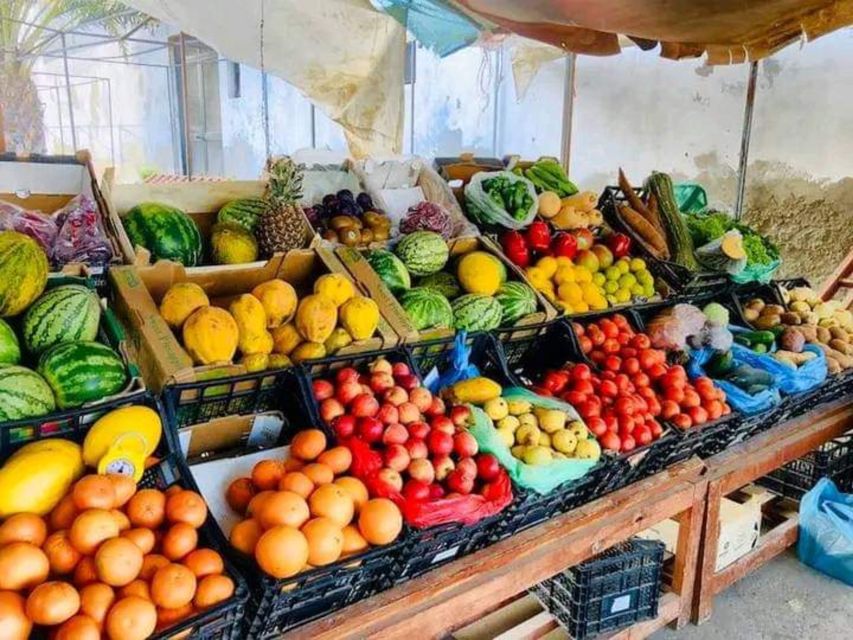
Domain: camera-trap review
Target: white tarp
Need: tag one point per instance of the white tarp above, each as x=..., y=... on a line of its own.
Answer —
x=343, y=55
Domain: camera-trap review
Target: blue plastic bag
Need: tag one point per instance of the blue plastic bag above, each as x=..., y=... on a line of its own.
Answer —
x=737, y=398
x=790, y=381
x=826, y=531
x=459, y=367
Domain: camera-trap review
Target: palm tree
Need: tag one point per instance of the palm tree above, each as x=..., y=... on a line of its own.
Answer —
x=21, y=111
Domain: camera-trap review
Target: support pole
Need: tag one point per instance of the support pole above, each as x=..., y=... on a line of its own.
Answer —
x=568, y=111
x=185, y=121
x=744, y=140
x=68, y=94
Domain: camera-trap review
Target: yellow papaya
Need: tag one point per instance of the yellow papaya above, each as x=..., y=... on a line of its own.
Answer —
x=36, y=478
x=248, y=313
x=210, y=335
x=285, y=338
x=316, y=317
x=278, y=361
x=477, y=390
x=339, y=339
x=308, y=351
x=180, y=301
x=360, y=317
x=278, y=299
x=335, y=286
x=255, y=362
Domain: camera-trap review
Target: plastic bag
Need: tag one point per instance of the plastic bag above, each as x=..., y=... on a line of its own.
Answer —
x=459, y=367
x=484, y=210
x=712, y=257
x=540, y=478
x=670, y=329
x=690, y=197
x=790, y=381
x=80, y=237
x=757, y=272
x=826, y=531
x=737, y=398
x=35, y=224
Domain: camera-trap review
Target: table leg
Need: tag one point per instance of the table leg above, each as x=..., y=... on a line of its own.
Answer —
x=704, y=600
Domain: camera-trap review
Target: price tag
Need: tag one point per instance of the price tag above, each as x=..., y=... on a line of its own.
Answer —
x=266, y=428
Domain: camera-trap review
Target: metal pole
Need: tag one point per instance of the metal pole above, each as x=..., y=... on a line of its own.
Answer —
x=496, y=101
x=568, y=111
x=313, y=127
x=744, y=140
x=412, y=99
x=110, y=114
x=59, y=113
x=185, y=121
x=265, y=95
x=68, y=92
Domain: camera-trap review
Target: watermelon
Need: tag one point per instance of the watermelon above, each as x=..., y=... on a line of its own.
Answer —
x=80, y=372
x=391, y=270
x=445, y=283
x=245, y=211
x=10, y=349
x=423, y=252
x=427, y=308
x=23, y=272
x=69, y=313
x=23, y=393
x=168, y=233
x=476, y=312
x=517, y=300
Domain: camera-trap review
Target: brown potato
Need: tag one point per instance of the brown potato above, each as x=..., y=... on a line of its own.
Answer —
x=790, y=318
x=751, y=314
x=773, y=309
x=767, y=321
x=823, y=335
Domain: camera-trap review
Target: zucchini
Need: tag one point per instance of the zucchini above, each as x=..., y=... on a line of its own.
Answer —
x=678, y=236
x=759, y=337
x=720, y=364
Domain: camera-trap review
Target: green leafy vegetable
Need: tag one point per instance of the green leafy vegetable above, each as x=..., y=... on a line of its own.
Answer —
x=706, y=227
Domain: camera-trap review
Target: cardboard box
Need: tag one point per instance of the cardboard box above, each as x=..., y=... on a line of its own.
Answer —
x=47, y=184
x=361, y=270
x=137, y=293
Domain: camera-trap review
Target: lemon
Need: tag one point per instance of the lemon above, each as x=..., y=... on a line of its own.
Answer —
x=637, y=289
x=612, y=273
x=570, y=292
x=580, y=307
x=564, y=274
x=648, y=290
x=598, y=303
x=611, y=286
x=637, y=264
x=566, y=307
x=623, y=264
x=548, y=264
x=627, y=280
x=623, y=295
x=599, y=279
x=582, y=274
x=537, y=276
x=564, y=261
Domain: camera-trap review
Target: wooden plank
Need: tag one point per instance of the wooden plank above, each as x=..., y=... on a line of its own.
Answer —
x=687, y=550
x=530, y=629
x=669, y=609
x=429, y=606
x=704, y=591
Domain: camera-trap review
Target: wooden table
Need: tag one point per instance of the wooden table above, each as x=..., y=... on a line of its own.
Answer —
x=744, y=463
x=464, y=590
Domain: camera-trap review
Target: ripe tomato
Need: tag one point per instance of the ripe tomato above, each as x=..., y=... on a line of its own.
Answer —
x=655, y=427
x=625, y=406
x=673, y=380
x=574, y=398
x=581, y=372
x=641, y=379
x=621, y=321
x=627, y=352
x=642, y=434
x=541, y=391
x=691, y=399
x=631, y=366
x=608, y=328
x=585, y=343
x=714, y=409
x=610, y=346
x=596, y=335
x=597, y=426
x=676, y=394
x=613, y=363
x=611, y=421
x=589, y=409
x=698, y=415
x=610, y=441
x=583, y=386
x=646, y=392
x=623, y=339
x=607, y=375
x=597, y=356
x=682, y=421
x=726, y=409
x=654, y=406
x=622, y=382
x=678, y=371
x=555, y=381
x=608, y=388
x=640, y=404
x=706, y=392
x=626, y=423
x=628, y=444
x=669, y=409
x=648, y=359
x=656, y=371
x=578, y=329
x=641, y=341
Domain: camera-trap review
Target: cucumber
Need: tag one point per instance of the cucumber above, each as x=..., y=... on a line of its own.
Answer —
x=758, y=337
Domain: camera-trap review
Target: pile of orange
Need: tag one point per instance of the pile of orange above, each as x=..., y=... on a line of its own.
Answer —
x=108, y=561
x=303, y=512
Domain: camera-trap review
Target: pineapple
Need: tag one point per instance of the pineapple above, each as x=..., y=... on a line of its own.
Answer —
x=282, y=226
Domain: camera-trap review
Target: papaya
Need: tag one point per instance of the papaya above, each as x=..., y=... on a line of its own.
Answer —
x=180, y=301
x=255, y=362
x=248, y=313
x=308, y=351
x=477, y=390
x=278, y=299
x=337, y=287
x=316, y=317
x=360, y=317
x=285, y=338
x=210, y=335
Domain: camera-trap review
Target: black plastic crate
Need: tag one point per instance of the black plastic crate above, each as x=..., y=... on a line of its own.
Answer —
x=428, y=548
x=833, y=460
x=614, y=590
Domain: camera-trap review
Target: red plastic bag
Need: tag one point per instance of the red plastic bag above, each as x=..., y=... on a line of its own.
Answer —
x=38, y=226
x=80, y=237
x=468, y=509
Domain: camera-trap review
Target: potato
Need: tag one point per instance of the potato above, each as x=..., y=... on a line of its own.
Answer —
x=799, y=306
x=751, y=314
x=755, y=303
x=809, y=332
x=842, y=346
x=823, y=335
x=767, y=321
x=839, y=334
x=833, y=366
x=790, y=318
x=773, y=309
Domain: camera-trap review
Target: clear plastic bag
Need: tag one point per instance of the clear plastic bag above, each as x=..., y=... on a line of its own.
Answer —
x=826, y=531
x=35, y=224
x=483, y=209
x=713, y=257
x=790, y=381
x=81, y=237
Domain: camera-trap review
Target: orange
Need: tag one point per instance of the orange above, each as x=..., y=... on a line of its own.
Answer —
x=354, y=542
x=131, y=618
x=124, y=487
x=95, y=600
x=337, y=459
x=293, y=464
x=179, y=540
x=297, y=482
x=93, y=492
x=213, y=590
x=141, y=537
x=319, y=473
x=380, y=521
x=256, y=502
x=204, y=562
x=283, y=508
x=266, y=474
x=147, y=508
x=244, y=536
x=136, y=588
x=151, y=563
x=79, y=627
x=91, y=528
x=282, y=552
x=118, y=562
x=308, y=444
x=186, y=506
x=239, y=493
x=173, y=586
x=52, y=603
x=168, y=617
x=13, y=617
x=121, y=520
x=356, y=490
x=331, y=501
x=63, y=514
x=23, y=527
x=22, y=566
x=325, y=541
x=61, y=554
x=85, y=572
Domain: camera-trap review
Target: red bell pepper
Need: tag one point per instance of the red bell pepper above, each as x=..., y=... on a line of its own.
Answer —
x=516, y=249
x=538, y=236
x=619, y=244
x=564, y=244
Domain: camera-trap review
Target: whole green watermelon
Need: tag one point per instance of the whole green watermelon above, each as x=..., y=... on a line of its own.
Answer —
x=167, y=232
x=427, y=308
x=476, y=312
x=68, y=313
x=390, y=269
x=445, y=283
x=244, y=211
x=81, y=372
x=23, y=393
x=517, y=300
x=423, y=252
x=23, y=272
x=10, y=349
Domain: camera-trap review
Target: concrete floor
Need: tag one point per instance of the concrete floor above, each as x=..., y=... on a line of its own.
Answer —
x=785, y=600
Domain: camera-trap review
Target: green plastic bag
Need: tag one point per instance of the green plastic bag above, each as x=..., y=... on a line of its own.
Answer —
x=540, y=478
x=690, y=197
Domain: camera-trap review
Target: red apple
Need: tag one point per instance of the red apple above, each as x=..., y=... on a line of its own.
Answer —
x=409, y=413
x=408, y=382
x=421, y=398
x=346, y=374
x=400, y=369
x=442, y=465
x=344, y=426
x=492, y=491
x=464, y=444
x=388, y=414
x=347, y=391
x=460, y=415
x=391, y=478
x=422, y=469
x=395, y=434
x=468, y=467
x=330, y=409
x=364, y=405
x=488, y=466
x=439, y=443
x=396, y=457
x=436, y=491
x=418, y=429
x=417, y=449
x=322, y=389
x=381, y=365
x=365, y=388
x=380, y=382
x=369, y=429
x=416, y=490
x=459, y=482
x=396, y=396
x=436, y=408
x=443, y=424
